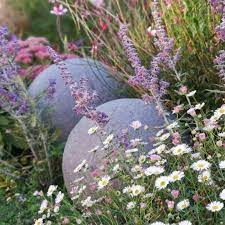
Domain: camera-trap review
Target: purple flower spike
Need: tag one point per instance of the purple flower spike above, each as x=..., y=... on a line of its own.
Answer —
x=83, y=98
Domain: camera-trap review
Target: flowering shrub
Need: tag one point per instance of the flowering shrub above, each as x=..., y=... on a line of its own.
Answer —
x=191, y=25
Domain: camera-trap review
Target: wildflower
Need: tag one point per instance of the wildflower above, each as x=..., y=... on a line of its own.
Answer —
x=51, y=189
x=59, y=197
x=183, y=90
x=202, y=136
x=170, y=204
x=199, y=106
x=136, y=125
x=185, y=222
x=116, y=168
x=222, y=164
x=151, y=32
x=97, y=3
x=204, y=177
x=153, y=170
x=43, y=207
x=131, y=205
x=108, y=140
x=177, y=109
x=93, y=130
x=39, y=221
x=94, y=149
x=136, y=190
x=192, y=93
x=191, y=112
x=143, y=205
x=162, y=182
x=78, y=221
x=87, y=202
x=172, y=126
x=82, y=97
x=132, y=150
x=142, y=159
x=103, y=182
x=195, y=197
x=215, y=206
x=200, y=165
x=175, y=193
x=222, y=194
x=176, y=176
x=221, y=134
x=59, y=10
x=180, y=149
x=80, y=166
x=164, y=137
x=157, y=223
x=183, y=204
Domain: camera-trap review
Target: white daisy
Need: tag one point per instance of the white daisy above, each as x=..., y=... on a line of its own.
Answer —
x=136, y=125
x=215, y=206
x=87, y=202
x=222, y=164
x=80, y=166
x=205, y=177
x=51, y=189
x=201, y=165
x=59, y=197
x=183, y=204
x=94, y=149
x=108, y=140
x=222, y=194
x=180, y=149
x=185, y=222
x=192, y=93
x=93, y=130
x=164, y=137
x=43, y=207
x=162, y=182
x=221, y=134
x=157, y=223
x=136, y=190
x=103, y=182
x=131, y=205
x=132, y=150
x=153, y=170
x=176, y=176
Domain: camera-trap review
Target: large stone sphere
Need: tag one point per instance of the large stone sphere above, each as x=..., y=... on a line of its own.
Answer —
x=122, y=113
x=58, y=110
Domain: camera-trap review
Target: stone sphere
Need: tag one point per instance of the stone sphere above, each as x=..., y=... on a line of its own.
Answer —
x=58, y=110
x=121, y=112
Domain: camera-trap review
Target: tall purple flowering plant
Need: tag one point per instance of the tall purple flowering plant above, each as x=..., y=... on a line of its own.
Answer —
x=83, y=98
x=15, y=100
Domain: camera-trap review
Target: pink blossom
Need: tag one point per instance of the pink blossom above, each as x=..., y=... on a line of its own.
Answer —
x=176, y=138
x=97, y=3
x=183, y=90
x=191, y=112
x=59, y=10
x=170, y=204
x=95, y=173
x=154, y=157
x=175, y=193
x=202, y=136
x=195, y=197
x=178, y=108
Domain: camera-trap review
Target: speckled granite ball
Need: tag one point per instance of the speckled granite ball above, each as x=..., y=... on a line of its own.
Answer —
x=58, y=111
x=122, y=113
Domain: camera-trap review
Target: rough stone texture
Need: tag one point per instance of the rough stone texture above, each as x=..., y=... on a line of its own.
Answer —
x=122, y=113
x=60, y=114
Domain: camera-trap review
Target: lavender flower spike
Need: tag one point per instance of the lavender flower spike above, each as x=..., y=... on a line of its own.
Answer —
x=83, y=98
